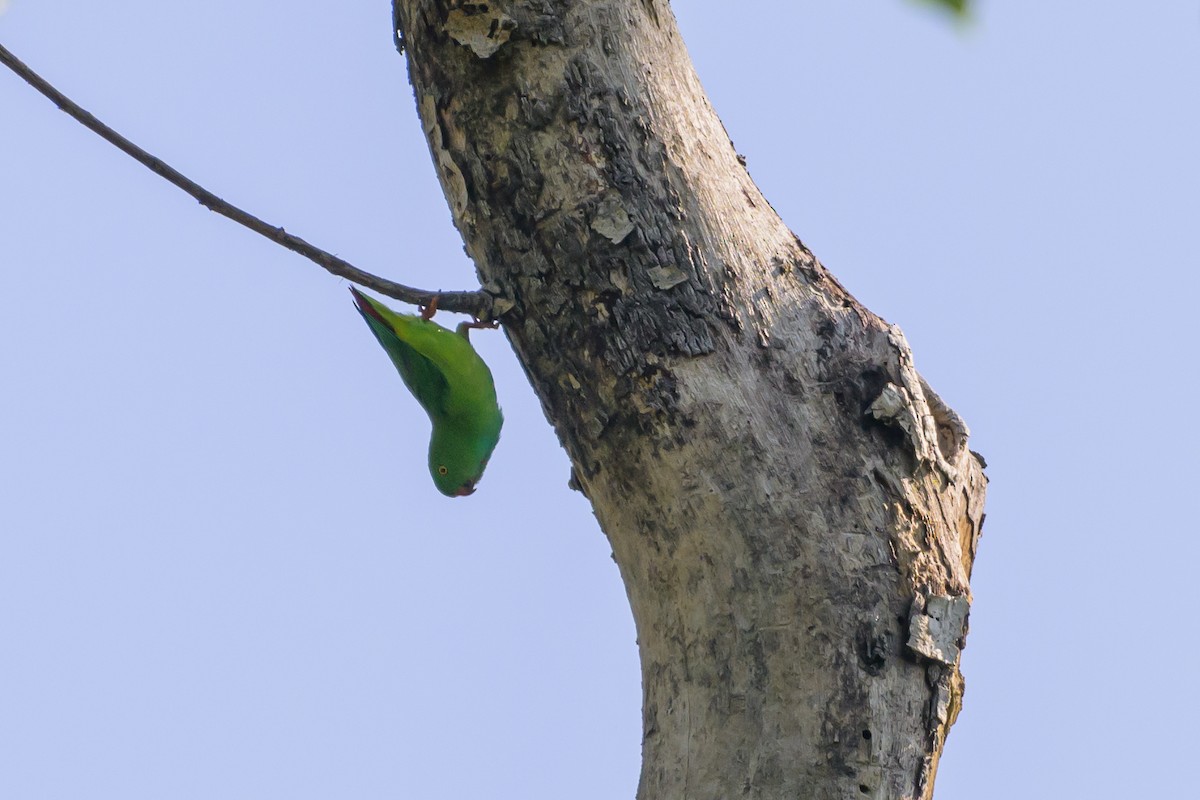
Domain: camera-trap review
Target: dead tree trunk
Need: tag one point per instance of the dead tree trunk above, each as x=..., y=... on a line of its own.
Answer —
x=793, y=510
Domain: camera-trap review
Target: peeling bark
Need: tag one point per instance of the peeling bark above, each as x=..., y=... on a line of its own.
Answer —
x=794, y=511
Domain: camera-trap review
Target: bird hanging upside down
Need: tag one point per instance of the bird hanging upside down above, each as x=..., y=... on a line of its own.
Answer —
x=452, y=384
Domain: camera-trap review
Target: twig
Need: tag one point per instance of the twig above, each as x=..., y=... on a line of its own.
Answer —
x=477, y=303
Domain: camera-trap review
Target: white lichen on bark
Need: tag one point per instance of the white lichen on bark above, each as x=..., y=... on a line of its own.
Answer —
x=479, y=26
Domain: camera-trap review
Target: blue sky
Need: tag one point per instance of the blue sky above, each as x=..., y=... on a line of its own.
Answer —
x=224, y=571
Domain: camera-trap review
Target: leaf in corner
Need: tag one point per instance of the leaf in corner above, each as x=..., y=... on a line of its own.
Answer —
x=959, y=8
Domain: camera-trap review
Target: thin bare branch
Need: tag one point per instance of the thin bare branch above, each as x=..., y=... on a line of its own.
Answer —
x=476, y=303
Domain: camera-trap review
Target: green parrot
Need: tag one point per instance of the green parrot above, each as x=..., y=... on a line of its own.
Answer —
x=452, y=384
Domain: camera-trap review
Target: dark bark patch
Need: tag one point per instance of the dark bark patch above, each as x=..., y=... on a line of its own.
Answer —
x=875, y=644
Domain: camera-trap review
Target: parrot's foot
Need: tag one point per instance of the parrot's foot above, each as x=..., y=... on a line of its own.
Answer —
x=428, y=311
x=464, y=328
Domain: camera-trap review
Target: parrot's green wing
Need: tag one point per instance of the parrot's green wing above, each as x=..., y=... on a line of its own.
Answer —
x=452, y=384
x=421, y=375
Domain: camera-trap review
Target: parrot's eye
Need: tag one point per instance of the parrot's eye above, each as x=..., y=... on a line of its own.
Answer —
x=442, y=469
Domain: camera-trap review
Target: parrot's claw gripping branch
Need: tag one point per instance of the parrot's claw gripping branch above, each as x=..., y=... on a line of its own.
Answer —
x=428, y=311
x=464, y=328
x=476, y=303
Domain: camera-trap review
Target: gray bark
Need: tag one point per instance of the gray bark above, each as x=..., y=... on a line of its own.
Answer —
x=793, y=510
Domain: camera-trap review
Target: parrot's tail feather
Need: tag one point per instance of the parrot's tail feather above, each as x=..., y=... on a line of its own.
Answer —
x=365, y=306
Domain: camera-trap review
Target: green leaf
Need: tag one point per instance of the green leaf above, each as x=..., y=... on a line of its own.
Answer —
x=959, y=7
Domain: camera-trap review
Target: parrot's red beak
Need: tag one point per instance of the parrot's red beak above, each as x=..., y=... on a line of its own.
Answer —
x=465, y=489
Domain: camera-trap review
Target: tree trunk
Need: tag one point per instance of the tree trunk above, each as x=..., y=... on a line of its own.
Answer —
x=793, y=510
